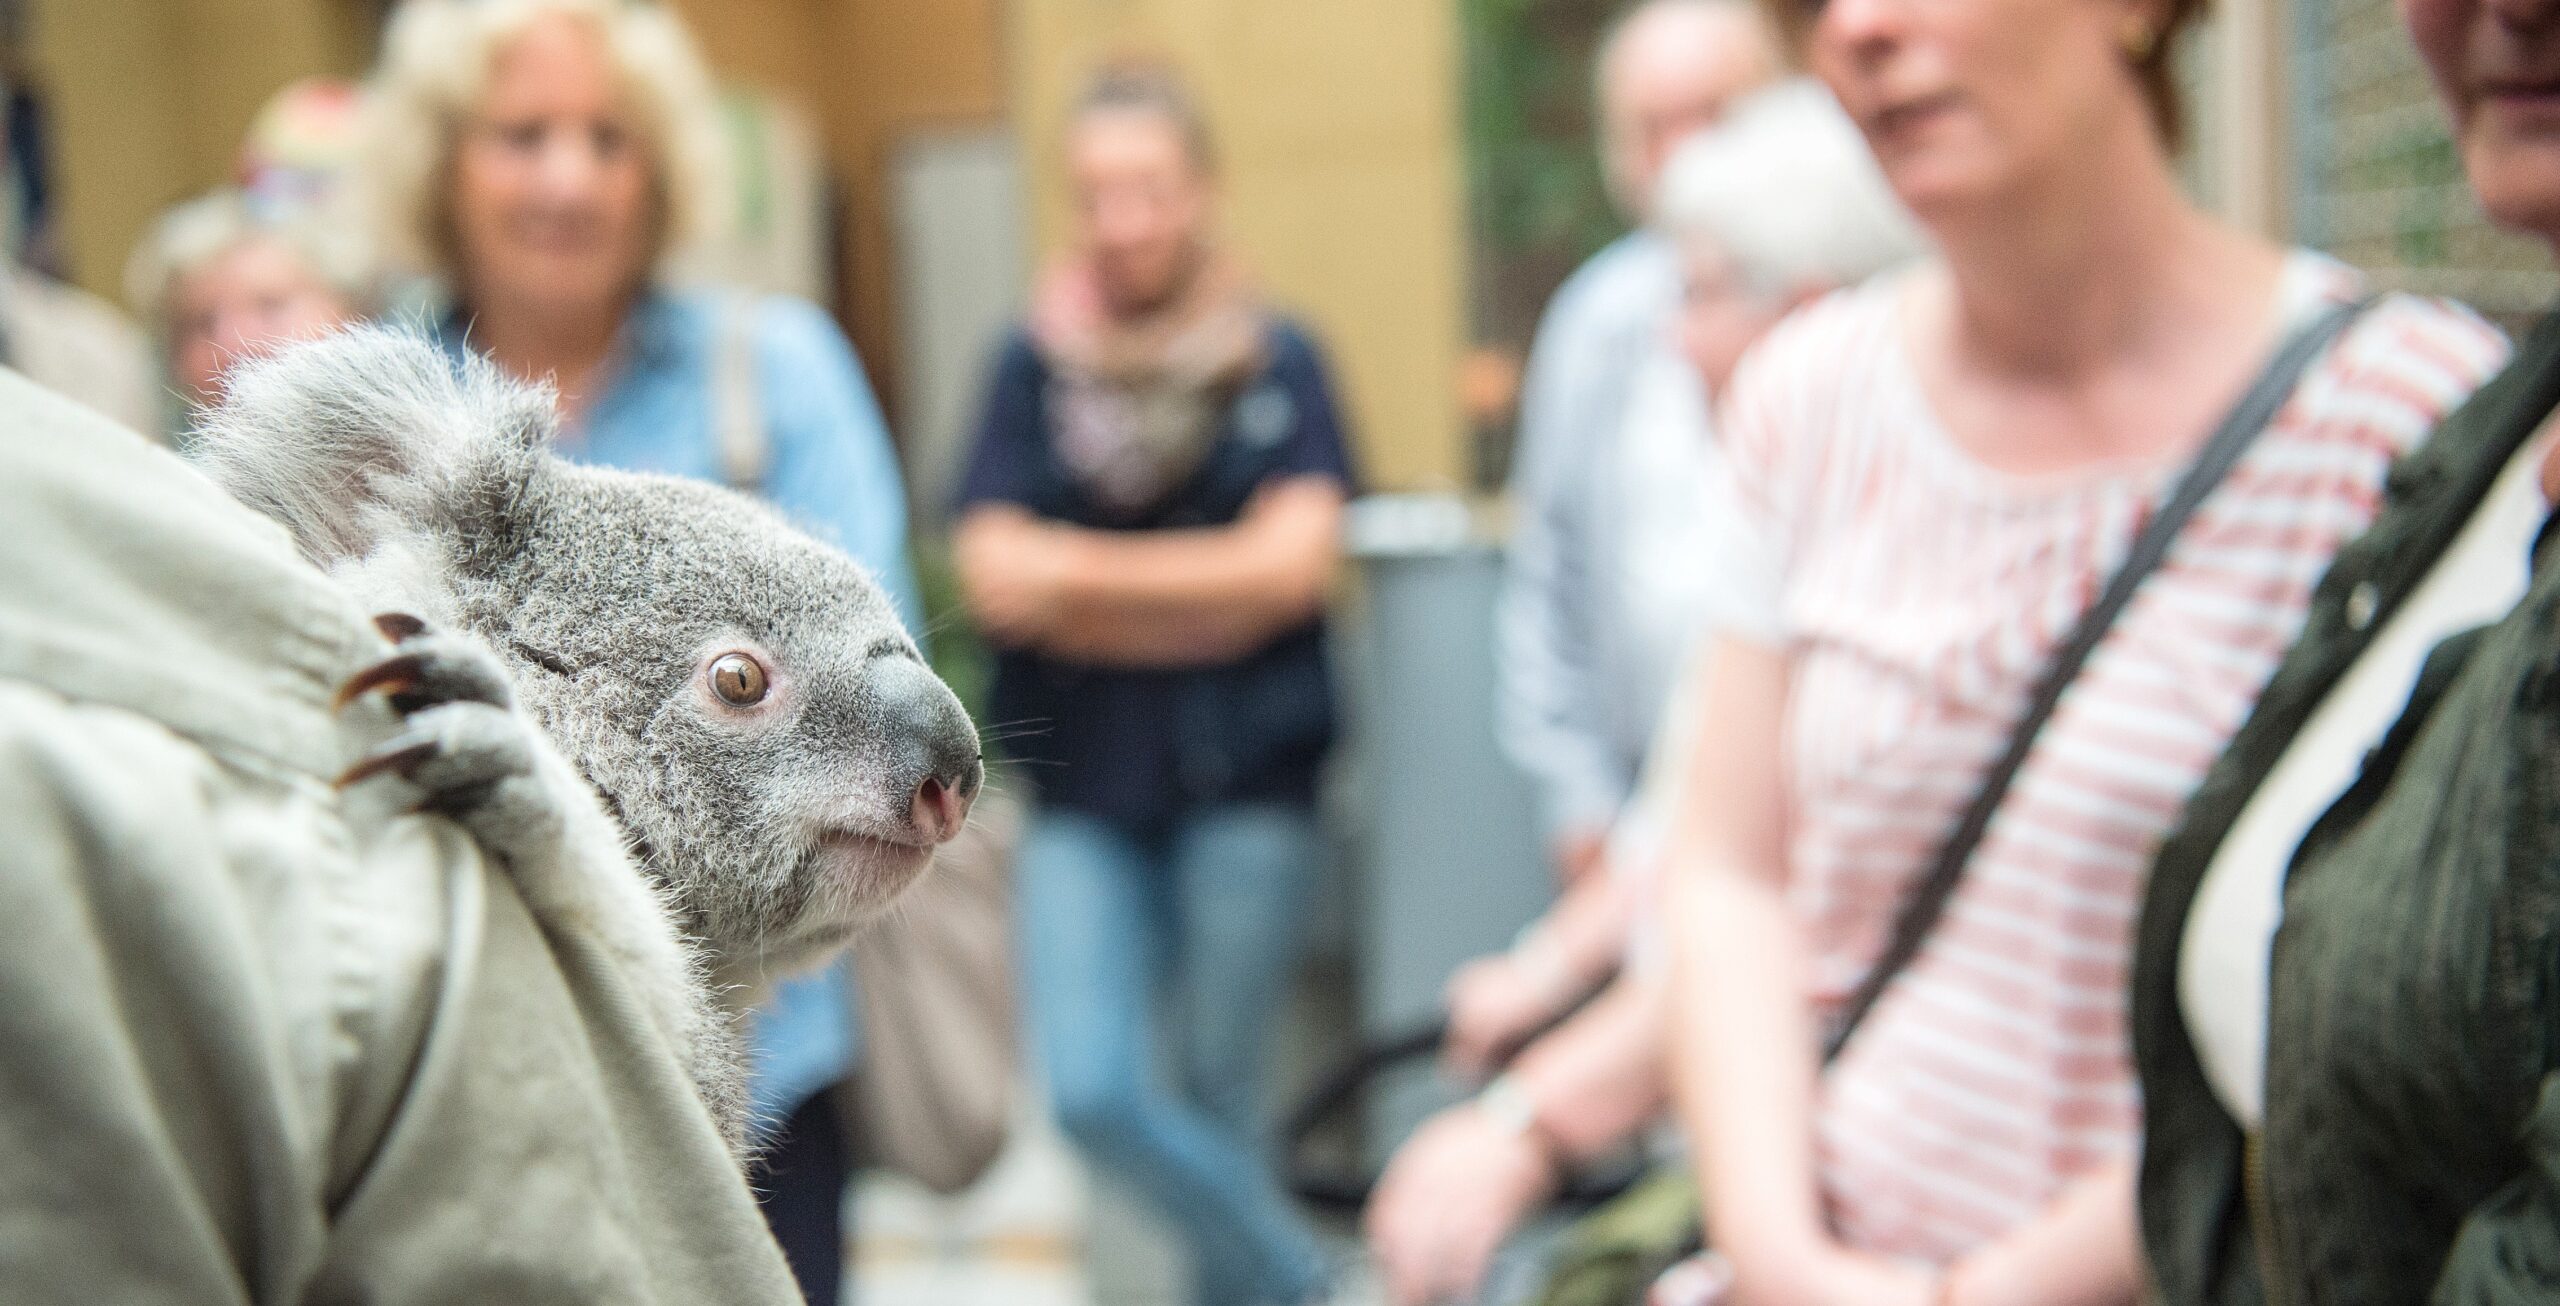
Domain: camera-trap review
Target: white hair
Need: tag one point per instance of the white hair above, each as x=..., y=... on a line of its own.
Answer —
x=436, y=62
x=1786, y=191
x=189, y=237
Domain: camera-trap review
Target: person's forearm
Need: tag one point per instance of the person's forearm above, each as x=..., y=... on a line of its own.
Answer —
x=1598, y=1078
x=2084, y=1250
x=1584, y=938
x=1154, y=640
x=1271, y=568
x=1157, y=599
x=1742, y=1063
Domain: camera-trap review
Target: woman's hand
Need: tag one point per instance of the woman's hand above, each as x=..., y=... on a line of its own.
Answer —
x=1010, y=565
x=1456, y=1189
x=1579, y=854
x=1495, y=1004
x=1824, y=1273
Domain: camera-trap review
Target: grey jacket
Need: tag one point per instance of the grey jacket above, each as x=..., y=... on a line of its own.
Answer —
x=261, y=1040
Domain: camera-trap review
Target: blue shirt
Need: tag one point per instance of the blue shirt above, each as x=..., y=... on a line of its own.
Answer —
x=828, y=465
x=1140, y=746
x=1568, y=715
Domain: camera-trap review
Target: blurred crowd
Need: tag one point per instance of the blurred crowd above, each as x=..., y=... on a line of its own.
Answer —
x=2039, y=698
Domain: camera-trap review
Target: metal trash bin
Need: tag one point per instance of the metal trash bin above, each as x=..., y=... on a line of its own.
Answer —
x=1444, y=844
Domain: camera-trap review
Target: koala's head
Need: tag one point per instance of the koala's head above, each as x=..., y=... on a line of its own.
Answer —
x=744, y=697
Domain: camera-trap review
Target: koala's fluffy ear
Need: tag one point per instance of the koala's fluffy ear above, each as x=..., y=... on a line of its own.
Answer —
x=376, y=432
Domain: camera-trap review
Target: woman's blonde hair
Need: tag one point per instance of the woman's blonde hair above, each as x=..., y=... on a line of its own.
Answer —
x=436, y=63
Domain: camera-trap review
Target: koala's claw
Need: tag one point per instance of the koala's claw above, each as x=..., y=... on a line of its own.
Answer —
x=398, y=675
x=464, y=745
x=427, y=668
x=402, y=755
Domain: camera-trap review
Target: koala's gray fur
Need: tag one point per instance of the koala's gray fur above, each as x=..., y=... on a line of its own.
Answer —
x=770, y=833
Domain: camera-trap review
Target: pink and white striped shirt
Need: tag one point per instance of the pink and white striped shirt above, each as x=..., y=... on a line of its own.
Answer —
x=1918, y=594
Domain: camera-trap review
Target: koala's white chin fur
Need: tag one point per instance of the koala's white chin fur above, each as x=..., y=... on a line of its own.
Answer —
x=861, y=880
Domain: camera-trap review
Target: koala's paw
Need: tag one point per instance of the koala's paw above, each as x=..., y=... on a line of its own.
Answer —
x=462, y=741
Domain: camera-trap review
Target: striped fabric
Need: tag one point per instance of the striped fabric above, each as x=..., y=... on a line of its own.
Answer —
x=1918, y=593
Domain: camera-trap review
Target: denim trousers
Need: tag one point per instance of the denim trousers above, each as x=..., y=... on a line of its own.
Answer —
x=1153, y=974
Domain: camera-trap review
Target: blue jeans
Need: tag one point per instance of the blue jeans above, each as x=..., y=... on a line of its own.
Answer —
x=1207, y=916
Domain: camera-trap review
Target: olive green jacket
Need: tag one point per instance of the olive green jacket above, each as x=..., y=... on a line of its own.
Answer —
x=2411, y=1150
x=262, y=1041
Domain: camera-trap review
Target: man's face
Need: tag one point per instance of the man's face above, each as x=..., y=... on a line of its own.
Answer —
x=1142, y=202
x=1672, y=73
x=2497, y=65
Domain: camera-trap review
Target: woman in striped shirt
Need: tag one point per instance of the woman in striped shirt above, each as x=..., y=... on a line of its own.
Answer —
x=1945, y=466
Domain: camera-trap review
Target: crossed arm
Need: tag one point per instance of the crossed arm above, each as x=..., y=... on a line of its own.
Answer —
x=1171, y=598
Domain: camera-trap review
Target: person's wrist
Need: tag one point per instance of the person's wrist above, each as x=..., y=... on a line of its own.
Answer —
x=1942, y=1289
x=1982, y=1279
x=1783, y=1258
x=1507, y=1106
x=1538, y=963
x=1059, y=554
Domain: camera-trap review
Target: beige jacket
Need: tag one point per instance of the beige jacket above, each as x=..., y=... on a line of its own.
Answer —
x=262, y=1041
x=70, y=341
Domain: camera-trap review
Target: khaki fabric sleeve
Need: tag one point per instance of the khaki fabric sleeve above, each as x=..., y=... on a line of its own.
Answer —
x=260, y=1044
x=157, y=1142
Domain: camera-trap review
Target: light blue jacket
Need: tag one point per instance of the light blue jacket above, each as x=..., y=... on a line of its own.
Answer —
x=1569, y=716
x=828, y=463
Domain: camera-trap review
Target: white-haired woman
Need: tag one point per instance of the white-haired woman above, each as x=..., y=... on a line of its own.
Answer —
x=222, y=280
x=540, y=160
x=1777, y=205
x=1941, y=470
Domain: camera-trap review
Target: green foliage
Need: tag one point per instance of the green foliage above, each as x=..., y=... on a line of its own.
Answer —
x=951, y=643
x=1534, y=176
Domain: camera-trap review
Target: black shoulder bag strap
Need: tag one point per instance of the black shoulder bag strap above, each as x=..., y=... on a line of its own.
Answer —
x=2239, y=429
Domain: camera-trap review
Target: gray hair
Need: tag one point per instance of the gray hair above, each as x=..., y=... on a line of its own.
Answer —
x=189, y=237
x=1786, y=190
x=436, y=63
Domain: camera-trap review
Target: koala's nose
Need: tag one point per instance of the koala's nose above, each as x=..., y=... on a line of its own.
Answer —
x=941, y=745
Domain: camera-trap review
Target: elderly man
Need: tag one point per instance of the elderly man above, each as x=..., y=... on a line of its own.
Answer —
x=1572, y=716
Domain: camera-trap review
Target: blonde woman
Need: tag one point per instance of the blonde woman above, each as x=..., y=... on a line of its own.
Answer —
x=539, y=161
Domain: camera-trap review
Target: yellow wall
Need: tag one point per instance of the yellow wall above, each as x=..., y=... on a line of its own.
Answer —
x=1337, y=120
x=871, y=72
x=150, y=101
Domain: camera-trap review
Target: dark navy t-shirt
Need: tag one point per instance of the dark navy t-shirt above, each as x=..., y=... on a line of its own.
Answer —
x=1138, y=747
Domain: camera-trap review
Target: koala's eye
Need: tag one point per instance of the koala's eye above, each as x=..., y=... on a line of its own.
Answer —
x=739, y=680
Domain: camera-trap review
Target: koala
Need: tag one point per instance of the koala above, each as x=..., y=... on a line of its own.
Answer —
x=741, y=755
